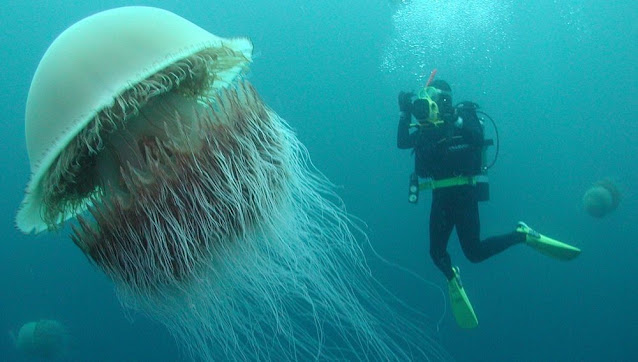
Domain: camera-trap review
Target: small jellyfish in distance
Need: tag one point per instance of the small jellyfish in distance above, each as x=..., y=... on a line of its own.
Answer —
x=47, y=339
x=601, y=199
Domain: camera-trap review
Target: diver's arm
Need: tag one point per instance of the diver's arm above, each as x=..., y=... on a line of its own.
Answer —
x=405, y=140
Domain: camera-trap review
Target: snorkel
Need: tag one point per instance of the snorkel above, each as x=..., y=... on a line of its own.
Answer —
x=432, y=74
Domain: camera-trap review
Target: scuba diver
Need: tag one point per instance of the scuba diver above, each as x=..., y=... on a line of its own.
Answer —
x=449, y=148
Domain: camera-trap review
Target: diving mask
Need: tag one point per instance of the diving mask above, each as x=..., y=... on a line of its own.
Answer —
x=435, y=94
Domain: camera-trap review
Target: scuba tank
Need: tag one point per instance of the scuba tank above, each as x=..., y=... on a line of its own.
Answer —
x=482, y=180
x=482, y=186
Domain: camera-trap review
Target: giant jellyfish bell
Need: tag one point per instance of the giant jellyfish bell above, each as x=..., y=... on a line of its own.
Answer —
x=196, y=198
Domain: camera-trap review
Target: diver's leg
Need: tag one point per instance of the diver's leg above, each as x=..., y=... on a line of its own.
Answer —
x=468, y=228
x=440, y=230
x=459, y=302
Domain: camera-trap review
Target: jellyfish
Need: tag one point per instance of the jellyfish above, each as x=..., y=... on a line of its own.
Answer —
x=48, y=339
x=197, y=200
x=601, y=199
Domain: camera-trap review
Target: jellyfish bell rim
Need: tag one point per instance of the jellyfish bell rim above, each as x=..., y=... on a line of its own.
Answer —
x=135, y=43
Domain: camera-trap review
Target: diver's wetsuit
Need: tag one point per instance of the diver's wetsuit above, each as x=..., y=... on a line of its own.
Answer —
x=443, y=152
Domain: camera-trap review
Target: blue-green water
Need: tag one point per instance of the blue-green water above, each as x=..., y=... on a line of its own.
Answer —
x=559, y=78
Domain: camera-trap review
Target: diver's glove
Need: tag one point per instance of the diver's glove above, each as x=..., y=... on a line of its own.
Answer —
x=405, y=102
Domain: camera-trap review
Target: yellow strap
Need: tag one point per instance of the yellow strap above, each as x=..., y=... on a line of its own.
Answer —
x=428, y=123
x=447, y=182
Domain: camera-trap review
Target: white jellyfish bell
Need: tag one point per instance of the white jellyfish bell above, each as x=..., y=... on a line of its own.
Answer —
x=196, y=198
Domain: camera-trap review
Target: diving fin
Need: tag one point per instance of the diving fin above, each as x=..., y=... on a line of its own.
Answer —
x=546, y=245
x=461, y=306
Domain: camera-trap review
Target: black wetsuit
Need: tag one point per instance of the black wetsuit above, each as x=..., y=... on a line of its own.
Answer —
x=443, y=152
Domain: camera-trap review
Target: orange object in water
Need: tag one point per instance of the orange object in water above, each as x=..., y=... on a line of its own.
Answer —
x=432, y=74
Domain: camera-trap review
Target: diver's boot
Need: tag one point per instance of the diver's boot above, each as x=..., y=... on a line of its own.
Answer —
x=461, y=306
x=546, y=245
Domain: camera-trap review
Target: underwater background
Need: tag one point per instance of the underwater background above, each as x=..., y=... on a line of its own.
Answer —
x=558, y=77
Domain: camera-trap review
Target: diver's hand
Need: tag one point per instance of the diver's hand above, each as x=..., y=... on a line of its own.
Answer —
x=405, y=101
